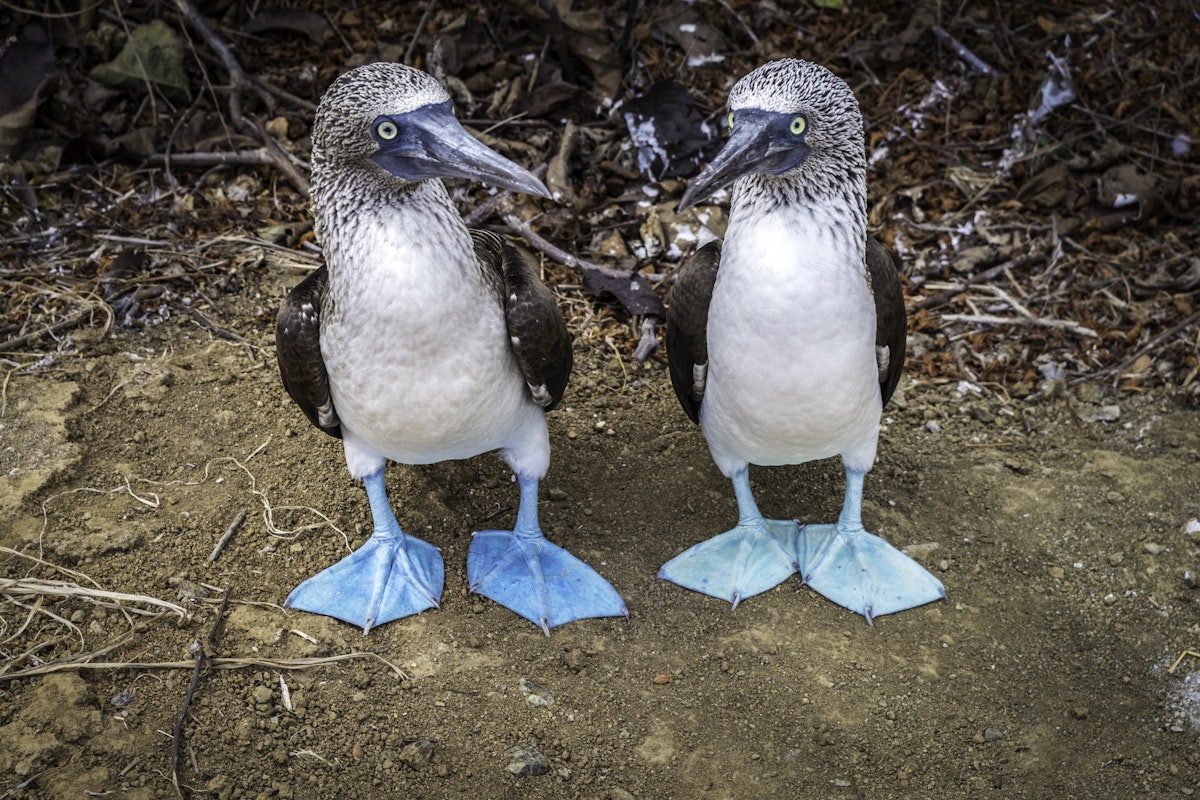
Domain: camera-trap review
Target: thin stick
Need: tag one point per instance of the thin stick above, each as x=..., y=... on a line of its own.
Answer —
x=412, y=43
x=521, y=227
x=216, y=158
x=213, y=663
x=202, y=650
x=484, y=209
x=225, y=537
x=1058, y=324
x=942, y=297
x=975, y=62
x=1151, y=345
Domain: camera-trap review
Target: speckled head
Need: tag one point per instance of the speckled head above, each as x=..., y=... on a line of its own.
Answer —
x=789, y=86
x=357, y=98
x=796, y=130
x=384, y=129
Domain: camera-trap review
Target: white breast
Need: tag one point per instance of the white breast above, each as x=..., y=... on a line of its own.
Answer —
x=416, y=345
x=792, y=375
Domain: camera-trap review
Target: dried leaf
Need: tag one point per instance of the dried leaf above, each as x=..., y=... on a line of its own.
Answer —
x=672, y=137
x=634, y=292
x=589, y=37
x=26, y=76
x=685, y=25
x=309, y=23
x=152, y=55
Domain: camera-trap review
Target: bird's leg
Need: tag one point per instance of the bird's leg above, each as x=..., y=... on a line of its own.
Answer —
x=392, y=575
x=526, y=573
x=742, y=562
x=858, y=570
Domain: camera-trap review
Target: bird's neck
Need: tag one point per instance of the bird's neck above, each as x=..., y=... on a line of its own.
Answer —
x=811, y=219
x=409, y=228
x=825, y=197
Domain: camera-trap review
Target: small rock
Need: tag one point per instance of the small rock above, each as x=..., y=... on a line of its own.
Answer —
x=619, y=794
x=932, y=426
x=417, y=754
x=556, y=494
x=1109, y=599
x=261, y=694
x=525, y=762
x=1019, y=467
x=981, y=414
x=1153, y=548
x=1101, y=414
x=1192, y=530
x=534, y=694
x=1079, y=712
x=922, y=552
x=1115, y=558
x=992, y=734
x=1057, y=573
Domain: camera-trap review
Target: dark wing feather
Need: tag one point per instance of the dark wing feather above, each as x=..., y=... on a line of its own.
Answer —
x=890, y=317
x=536, y=330
x=298, y=349
x=687, y=326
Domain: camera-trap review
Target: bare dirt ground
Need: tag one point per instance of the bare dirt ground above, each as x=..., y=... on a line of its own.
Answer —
x=1061, y=539
x=1042, y=455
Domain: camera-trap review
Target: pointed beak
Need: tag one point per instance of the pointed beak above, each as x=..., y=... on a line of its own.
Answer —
x=754, y=145
x=431, y=143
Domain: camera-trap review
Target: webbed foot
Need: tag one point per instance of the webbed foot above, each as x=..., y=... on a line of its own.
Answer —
x=755, y=556
x=389, y=577
x=537, y=579
x=861, y=572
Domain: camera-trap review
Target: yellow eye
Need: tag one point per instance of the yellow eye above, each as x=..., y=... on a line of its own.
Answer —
x=387, y=130
x=798, y=125
x=730, y=120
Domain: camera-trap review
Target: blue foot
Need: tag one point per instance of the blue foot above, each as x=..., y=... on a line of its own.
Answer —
x=861, y=572
x=392, y=575
x=524, y=572
x=755, y=556
x=858, y=570
x=538, y=580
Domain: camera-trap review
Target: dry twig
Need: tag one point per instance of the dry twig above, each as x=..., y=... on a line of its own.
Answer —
x=202, y=651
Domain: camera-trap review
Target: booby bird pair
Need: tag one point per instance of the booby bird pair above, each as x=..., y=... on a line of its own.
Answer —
x=786, y=339
x=420, y=341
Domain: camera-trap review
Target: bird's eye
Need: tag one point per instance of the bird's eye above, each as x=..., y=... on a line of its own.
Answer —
x=730, y=120
x=387, y=130
x=798, y=125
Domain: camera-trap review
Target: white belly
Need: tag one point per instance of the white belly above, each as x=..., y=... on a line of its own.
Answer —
x=419, y=361
x=792, y=375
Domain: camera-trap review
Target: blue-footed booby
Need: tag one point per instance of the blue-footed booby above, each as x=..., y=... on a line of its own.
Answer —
x=420, y=341
x=786, y=339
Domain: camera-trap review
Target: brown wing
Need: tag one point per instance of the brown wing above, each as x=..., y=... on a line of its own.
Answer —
x=890, y=317
x=687, y=326
x=298, y=350
x=536, y=330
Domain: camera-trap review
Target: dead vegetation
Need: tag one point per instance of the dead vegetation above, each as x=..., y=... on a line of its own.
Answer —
x=1035, y=170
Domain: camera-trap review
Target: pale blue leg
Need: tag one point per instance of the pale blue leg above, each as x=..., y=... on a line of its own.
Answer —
x=392, y=575
x=751, y=558
x=524, y=572
x=858, y=570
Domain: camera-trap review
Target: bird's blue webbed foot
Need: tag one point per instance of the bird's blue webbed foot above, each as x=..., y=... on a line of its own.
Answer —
x=524, y=572
x=392, y=575
x=858, y=570
x=755, y=556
